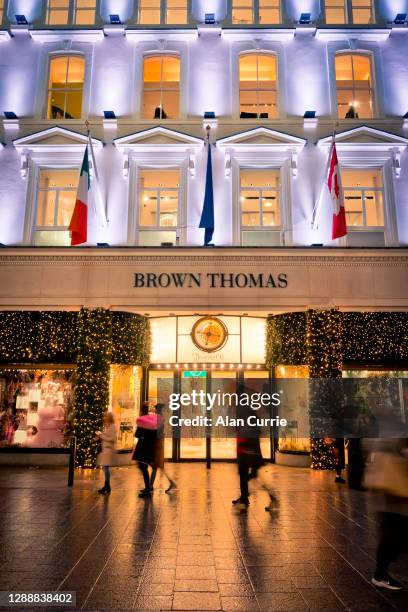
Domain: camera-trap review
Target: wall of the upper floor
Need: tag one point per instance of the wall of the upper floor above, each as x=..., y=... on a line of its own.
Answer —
x=209, y=82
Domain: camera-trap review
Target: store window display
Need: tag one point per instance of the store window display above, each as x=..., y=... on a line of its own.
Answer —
x=36, y=407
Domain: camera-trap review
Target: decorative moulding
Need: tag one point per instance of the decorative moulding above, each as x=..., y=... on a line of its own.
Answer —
x=366, y=35
x=367, y=145
x=157, y=146
x=57, y=35
x=252, y=145
x=53, y=145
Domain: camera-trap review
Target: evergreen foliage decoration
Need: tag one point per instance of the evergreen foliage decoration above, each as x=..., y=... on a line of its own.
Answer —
x=92, y=381
x=93, y=339
x=131, y=339
x=327, y=341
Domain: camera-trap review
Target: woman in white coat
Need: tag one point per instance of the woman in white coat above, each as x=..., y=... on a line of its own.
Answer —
x=105, y=458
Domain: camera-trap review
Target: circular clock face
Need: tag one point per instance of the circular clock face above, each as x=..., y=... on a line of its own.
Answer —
x=209, y=334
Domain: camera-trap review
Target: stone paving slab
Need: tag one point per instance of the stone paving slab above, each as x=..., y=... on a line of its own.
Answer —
x=191, y=550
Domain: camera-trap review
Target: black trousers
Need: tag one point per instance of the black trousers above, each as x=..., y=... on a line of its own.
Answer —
x=392, y=540
x=143, y=467
x=246, y=473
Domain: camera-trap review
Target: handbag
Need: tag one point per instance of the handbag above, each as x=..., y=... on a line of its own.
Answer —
x=387, y=472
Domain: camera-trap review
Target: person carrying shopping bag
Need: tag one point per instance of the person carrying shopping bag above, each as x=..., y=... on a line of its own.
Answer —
x=106, y=457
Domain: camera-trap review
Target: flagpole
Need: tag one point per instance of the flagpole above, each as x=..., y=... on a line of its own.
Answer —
x=97, y=190
x=318, y=205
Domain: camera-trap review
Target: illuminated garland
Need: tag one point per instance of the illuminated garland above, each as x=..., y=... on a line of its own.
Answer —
x=327, y=340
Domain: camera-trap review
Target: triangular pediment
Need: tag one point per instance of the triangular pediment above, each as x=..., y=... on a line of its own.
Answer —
x=157, y=136
x=260, y=137
x=365, y=135
x=55, y=137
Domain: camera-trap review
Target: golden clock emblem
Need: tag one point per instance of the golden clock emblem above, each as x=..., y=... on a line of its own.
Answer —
x=209, y=334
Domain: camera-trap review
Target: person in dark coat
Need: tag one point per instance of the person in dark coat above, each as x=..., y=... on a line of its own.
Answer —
x=249, y=459
x=144, y=453
x=158, y=463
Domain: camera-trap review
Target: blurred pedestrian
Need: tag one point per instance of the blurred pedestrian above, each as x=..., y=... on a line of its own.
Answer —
x=158, y=462
x=144, y=453
x=388, y=476
x=106, y=457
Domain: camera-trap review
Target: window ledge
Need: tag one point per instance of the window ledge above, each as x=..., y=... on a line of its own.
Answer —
x=369, y=33
x=56, y=35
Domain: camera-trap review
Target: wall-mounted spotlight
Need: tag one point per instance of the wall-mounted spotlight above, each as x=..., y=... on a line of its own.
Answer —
x=400, y=19
x=209, y=18
x=109, y=120
x=305, y=18
x=21, y=20
x=309, y=119
x=10, y=121
x=115, y=19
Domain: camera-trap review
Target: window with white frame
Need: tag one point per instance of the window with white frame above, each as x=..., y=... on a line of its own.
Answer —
x=345, y=11
x=172, y=12
x=260, y=206
x=244, y=12
x=161, y=87
x=354, y=86
x=65, y=87
x=84, y=12
x=158, y=205
x=67, y=12
x=258, y=86
x=363, y=197
x=336, y=11
x=56, y=195
x=362, y=11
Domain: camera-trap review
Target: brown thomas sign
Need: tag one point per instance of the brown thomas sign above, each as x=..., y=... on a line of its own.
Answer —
x=213, y=280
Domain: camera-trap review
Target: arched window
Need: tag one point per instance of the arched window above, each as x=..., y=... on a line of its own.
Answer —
x=258, y=88
x=65, y=87
x=354, y=86
x=161, y=91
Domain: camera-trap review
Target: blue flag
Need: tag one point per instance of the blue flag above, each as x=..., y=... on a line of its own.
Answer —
x=207, y=216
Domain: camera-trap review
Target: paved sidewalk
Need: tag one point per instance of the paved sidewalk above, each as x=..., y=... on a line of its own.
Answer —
x=191, y=550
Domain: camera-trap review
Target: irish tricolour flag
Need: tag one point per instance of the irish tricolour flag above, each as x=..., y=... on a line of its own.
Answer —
x=79, y=221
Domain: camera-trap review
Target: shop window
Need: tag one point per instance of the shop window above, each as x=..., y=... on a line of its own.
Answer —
x=125, y=384
x=55, y=203
x=336, y=11
x=260, y=200
x=161, y=93
x=172, y=12
x=158, y=206
x=36, y=407
x=354, y=86
x=84, y=12
x=294, y=408
x=362, y=11
x=364, y=200
x=65, y=88
x=1, y=10
x=258, y=89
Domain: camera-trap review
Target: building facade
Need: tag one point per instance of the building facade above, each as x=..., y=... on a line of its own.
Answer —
x=264, y=84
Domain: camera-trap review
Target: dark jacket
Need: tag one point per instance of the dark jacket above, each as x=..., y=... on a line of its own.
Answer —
x=249, y=452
